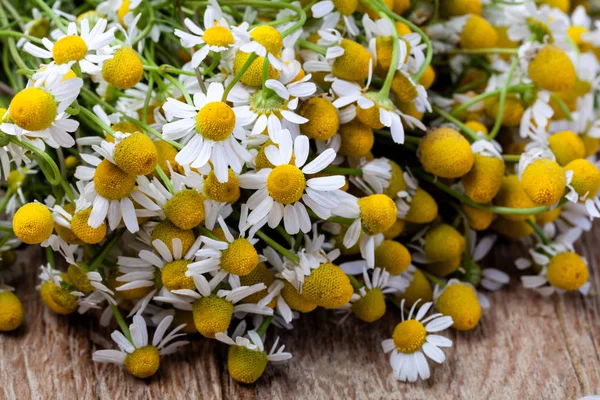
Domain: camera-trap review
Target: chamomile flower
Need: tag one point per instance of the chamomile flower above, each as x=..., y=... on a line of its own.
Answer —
x=333, y=10
x=39, y=26
x=38, y=112
x=247, y=359
x=89, y=288
x=139, y=357
x=11, y=312
x=264, y=41
x=283, y=192
x=211, y=130
x=117, y=10
x=413, y=339
x=527, y=19
x=216, y=37
x=56, y=292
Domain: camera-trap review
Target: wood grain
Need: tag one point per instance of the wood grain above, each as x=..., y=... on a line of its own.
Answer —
x=526, y=347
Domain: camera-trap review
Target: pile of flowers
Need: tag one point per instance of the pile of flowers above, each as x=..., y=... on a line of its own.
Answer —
x=219, y=168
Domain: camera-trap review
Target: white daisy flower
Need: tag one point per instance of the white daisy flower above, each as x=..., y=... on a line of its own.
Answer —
x=253, y=342
x=264, y=41
x=412, y=340
x=526, y=20
x=332, y=11
x=284, y=192
x=117, y=10
x=74, y=47
x=211, y=130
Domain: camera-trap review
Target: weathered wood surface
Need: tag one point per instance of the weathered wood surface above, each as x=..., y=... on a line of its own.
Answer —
x=526, y=347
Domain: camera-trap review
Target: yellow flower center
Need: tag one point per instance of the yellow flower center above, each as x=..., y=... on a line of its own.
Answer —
x=397, y=182
x=586, y=178
x=58, y=299
x=69, y=48
x=122, y=12
x=328, y=286
x=552, y=69
x=377, y=213
x=166, y=156
x=395, y=230
x=212, y=314
x=136, y=154
x=423, y=208
x=544, y=182
x=483, y=181
x=81, y=229
x=112, y=182
x=253, y=75
x=478, y=34
x=260, y=274
x=186, y=209
x=269, y=37
x=33, y=223
x=446, y=153
x=409, y=336
x=11, y=312
x=227, y=192
x=40, y=28
x=403, y=88
x=124, y=70
x=455, y=8
x=353, y=65
x=323, y=121
x=123, y=126
x=16, y=178
x=143, y=362
x=173, y=276
x=286, y=183
x=443, y=243
x=460, y=302
x=345, y=7
x=357, y=139
x=513, y=194
x=567, y=271
x=79, y=279
x=296, y=300
x=392, y=256
x=245, y=365
x=369, y=116
x=371, y=306
x=419, y=288
x=513, y=110
x=33, y=109
x=215, y=121
x=478, y=218
x=166, y=231
x=218, y=36
x=240, y=258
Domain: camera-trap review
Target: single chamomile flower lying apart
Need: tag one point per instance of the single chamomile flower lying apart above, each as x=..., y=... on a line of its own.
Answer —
x=283, y=192
x=74, y=48
x=412, y=340
x=247, y=359
x=139, y=357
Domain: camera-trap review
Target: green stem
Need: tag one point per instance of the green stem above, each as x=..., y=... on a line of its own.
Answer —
x=563, y=106
x=355, y=283
x=90, y=115
x=433, y=278
x=167, y=69
x=470, y=132
x=387, y=84
x=311, y=46
x=279, y=248
x=52, y=15
x=539, y=232
x=106, y=249
x=511, y=157
x=6, y=238
x=121, y=322
x=501, y=102
x=262, y=329
x=50, y=256
x=6, y=198
x=53, y=176
x=163, y=176
x=21, y=35
x=265, y=72
x=239, y=75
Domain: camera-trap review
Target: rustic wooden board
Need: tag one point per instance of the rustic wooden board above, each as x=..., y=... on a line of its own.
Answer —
x=526, y=347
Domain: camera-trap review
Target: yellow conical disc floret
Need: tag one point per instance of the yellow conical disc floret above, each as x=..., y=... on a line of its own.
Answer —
x=212, y=314
x=124, y=127
x=286, y=184
x=477, y=126
x=173, y=276
x=591, y=145
x=392, y=256
x=143, y=362
x=245, y=365
x=296, y=300
x=419, y=289
x=323, y=121
x=253, y=75
x=215, y=121
x=513, y=110
x=33, y=109
x=328, y=286
x=269, y=37
x=446, y=153
x=260, y=274
x=218, y=36
x=223, y=192
x=383, y=48
x=67, y=234
x=552, y=69
x=369, y=117
x=567, y=271
x=240, y=258
x=112, y=182
x=124, y=70
x=357, y=139
x=58, y=299
x=423, y=208
x=377, y=213
x=166, y=156
x=401, y=6
x=345, y=7
x=428, y=77
x=444, y=268
x=478, y=34
x=443, y=243
x=397, y=181
x=483, y=181
x=586, y=178
x=548, y=216
x=544, y=181
x=136, y=154
x=69, y=48
x=566, y=146
x=166, y=231
x=512, y=194
x=353, y=65
x=186, y=209
x=409, y=336
x=403, y=88
x=459, y=300
x=513, y=230
x=33, y=223
x=454, y=8
x=78, y=278
x=395, y=230
x=371, y=306
x=11, y=312
x=479, y=219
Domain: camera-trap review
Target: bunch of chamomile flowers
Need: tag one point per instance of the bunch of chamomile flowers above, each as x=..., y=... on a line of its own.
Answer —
x=220, y=168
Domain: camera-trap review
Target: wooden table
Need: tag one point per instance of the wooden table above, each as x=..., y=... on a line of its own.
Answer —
x=526, y=347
